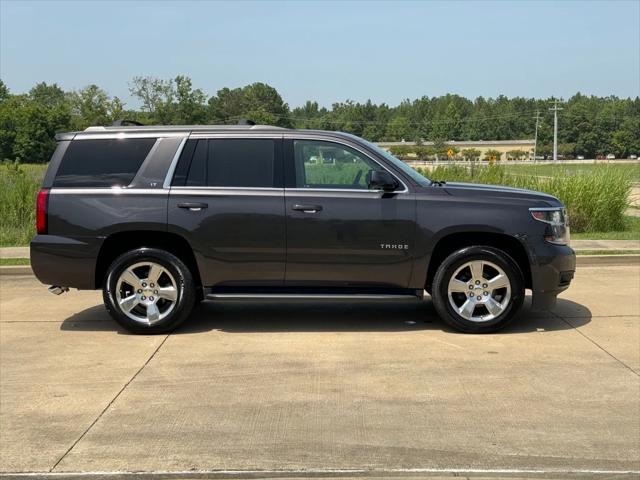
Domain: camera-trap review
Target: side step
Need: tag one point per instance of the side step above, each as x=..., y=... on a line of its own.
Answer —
x=283, y=295
x=293, y=296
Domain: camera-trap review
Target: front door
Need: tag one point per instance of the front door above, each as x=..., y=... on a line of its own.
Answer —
x=227, y=200
x=340, y=233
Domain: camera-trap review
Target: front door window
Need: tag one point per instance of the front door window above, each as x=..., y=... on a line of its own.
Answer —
x=329, y=165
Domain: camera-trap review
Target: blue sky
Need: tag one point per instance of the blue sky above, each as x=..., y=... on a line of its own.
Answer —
x=328, y=51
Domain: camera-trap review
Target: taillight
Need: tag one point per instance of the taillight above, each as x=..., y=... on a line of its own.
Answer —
x=41, y=211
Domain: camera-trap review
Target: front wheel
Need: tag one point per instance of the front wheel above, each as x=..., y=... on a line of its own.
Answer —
x=478, y=289
x=148, y=290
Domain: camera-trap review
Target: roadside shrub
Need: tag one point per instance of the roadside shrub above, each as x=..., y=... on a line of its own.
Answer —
x=596, y=200
x=492, y=155
x=400, y=150
x=18, y=190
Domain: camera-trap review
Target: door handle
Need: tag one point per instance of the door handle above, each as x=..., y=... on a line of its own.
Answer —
x=193, y=206
x=307, y=208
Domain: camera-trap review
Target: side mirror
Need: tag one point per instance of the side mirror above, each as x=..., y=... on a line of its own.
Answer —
x=382, y=180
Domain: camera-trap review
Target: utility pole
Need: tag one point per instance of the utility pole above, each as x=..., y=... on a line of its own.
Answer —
x=555, y=109
x=535, y=141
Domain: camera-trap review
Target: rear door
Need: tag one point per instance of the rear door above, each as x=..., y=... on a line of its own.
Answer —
x=227, y=200
x=340, y=232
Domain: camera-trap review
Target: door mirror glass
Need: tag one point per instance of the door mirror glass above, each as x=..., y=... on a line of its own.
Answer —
x=382, y=180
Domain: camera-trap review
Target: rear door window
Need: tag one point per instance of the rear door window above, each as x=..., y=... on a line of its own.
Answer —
x=103, y=162
x=241, y=163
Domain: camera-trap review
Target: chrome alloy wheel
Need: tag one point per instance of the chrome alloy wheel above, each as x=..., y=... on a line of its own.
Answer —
x=479, y=291
x=146, y=292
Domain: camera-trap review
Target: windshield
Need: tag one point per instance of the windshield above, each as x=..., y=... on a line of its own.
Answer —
x=414, y=174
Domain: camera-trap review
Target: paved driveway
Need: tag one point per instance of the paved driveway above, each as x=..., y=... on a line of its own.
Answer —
x=373, y=387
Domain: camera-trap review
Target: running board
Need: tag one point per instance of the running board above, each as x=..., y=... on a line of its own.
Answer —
x=306, y=296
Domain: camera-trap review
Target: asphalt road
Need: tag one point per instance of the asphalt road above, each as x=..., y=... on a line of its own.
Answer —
x=295, y=388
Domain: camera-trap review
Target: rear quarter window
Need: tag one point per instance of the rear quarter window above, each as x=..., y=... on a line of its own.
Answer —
x=102, y=163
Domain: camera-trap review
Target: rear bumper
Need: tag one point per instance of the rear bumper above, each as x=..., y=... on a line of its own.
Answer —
x=552, y=269
x=65, y=261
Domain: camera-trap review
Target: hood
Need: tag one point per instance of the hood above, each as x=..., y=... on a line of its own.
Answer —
x=499, y=191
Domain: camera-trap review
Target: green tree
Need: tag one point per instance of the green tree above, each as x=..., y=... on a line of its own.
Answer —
x=4, y=91
x=190, y=103
x=309, y=115
x=27, y=130
x=440, y=148
x=625, y=140
x=28, y=123
x=156, y=95
x=256, y=101
x=92, y=106
x=48, y=95
x=398, y=129
x=567, y=150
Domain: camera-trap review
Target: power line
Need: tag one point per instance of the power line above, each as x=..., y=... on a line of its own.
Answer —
x=528, y=113
x=385, y=122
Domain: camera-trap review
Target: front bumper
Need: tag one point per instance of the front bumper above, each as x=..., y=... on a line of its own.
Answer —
x=65, y=261
x=552, y=269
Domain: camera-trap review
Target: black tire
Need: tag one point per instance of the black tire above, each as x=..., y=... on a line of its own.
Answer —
x=457, y=259
x=186, y=290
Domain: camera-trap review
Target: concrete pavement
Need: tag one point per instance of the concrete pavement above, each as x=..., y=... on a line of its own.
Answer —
x=14, y=252
x=619, y=245
x=301, y=388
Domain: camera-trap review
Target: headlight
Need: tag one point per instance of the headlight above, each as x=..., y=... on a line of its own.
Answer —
x=557, y=224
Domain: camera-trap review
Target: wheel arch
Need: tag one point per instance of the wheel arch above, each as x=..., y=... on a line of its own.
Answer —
x=508, y=244
x=118, y=243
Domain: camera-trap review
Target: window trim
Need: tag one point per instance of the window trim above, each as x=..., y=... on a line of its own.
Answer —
x=291, y=166
x=213, y=191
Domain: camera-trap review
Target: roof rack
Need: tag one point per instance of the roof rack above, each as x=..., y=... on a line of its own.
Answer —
x=123, y=122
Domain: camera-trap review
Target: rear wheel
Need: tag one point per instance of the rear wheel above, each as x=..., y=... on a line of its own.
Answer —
x=149, y=291
x=478, y=289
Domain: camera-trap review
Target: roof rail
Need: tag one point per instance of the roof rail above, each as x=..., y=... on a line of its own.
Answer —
x=124, y=122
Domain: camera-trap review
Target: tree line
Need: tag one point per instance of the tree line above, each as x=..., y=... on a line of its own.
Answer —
x=588, y=125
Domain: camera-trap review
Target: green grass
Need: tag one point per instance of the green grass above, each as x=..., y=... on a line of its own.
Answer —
x=596, y=200
x=19, y=185
x=630, y=170
x=630, y=231
x=12, y=262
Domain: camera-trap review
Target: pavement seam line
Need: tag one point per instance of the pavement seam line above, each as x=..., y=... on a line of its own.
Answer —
x=153, y=354
x=596, y=343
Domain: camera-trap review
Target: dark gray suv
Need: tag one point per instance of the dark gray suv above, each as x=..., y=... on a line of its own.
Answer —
x=160, y=218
